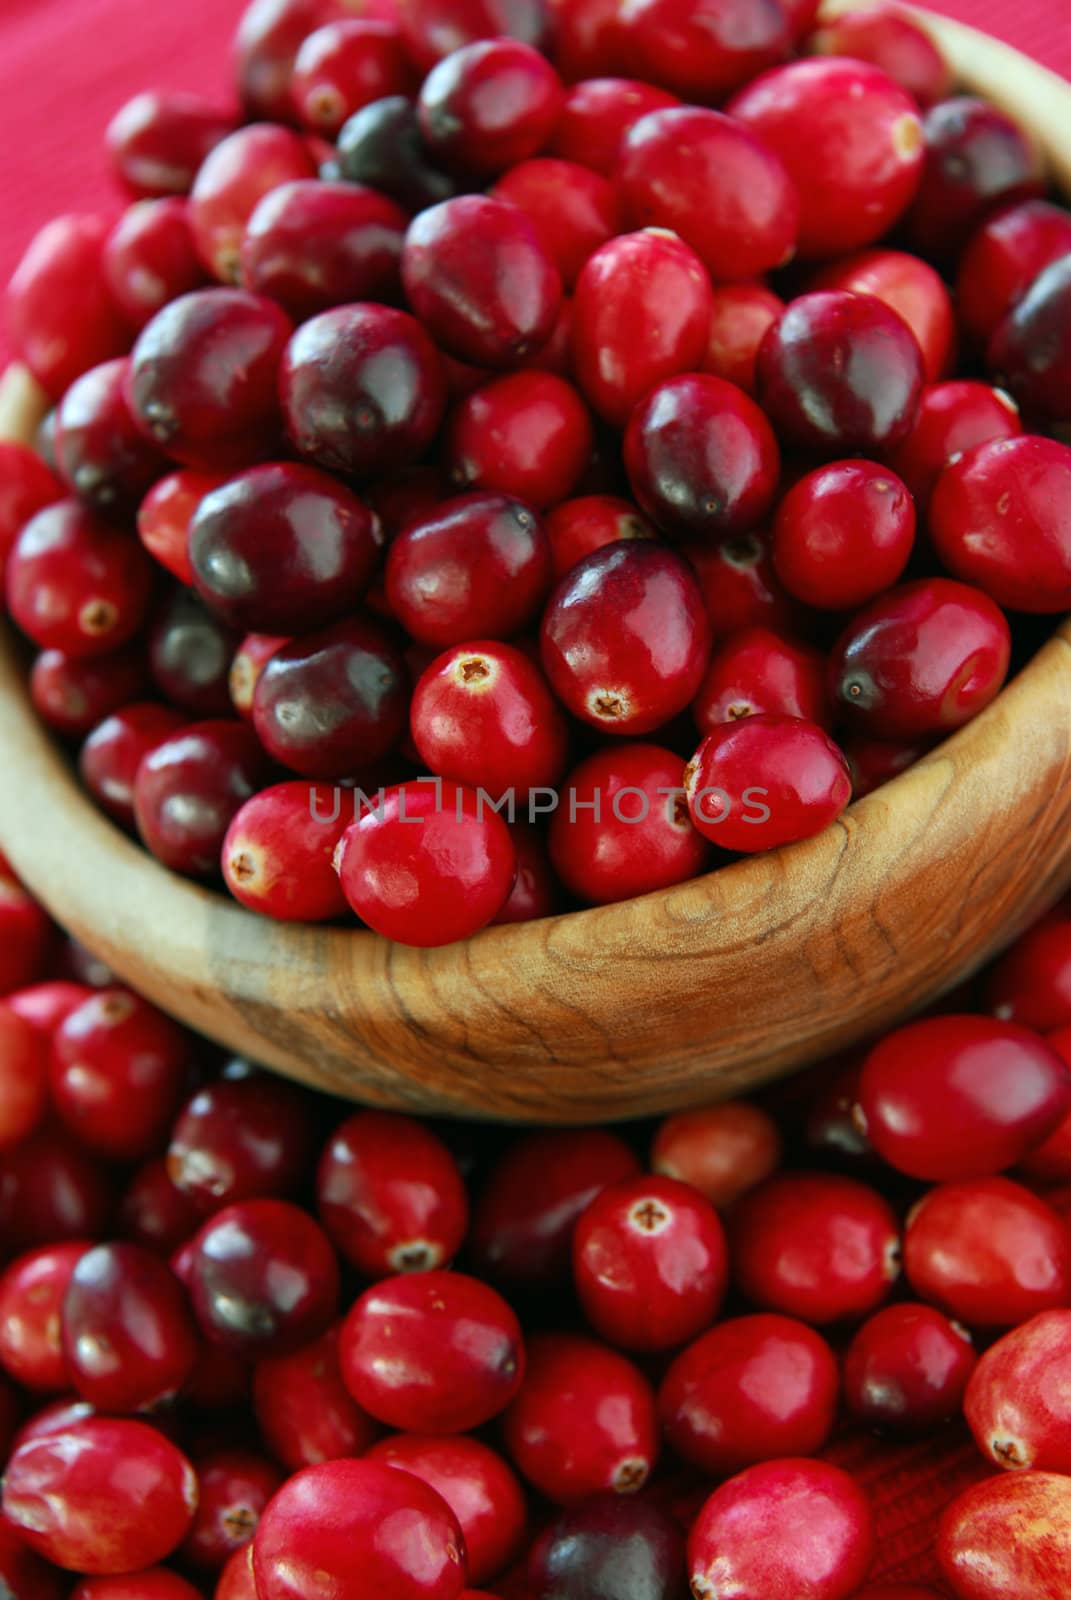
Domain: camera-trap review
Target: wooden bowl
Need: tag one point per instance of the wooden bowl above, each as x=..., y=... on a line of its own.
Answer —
x=675, y=999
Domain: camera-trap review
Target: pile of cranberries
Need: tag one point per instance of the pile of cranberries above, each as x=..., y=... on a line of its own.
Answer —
x=485, y=479
x=256, y=1344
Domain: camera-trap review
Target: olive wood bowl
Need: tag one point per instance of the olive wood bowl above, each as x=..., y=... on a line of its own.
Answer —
x=664, y=1002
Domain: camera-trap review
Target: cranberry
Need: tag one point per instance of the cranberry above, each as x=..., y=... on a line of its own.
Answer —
x=32, y=1288
x=304, y=1411
x=55, y=1417
x=766, y=781
x=988, y=1252
x=165, y=513
x=888, y=38
x=625, y=638
x=249, y=661
x=757, y=672
x=235, y=1486
x=190, y=654
x=331, y=703
x=783, y=1527
x=344, y=65
x=642, y=314
x=700, y=49
x=25, y=934
x=1050, y=1161
x=584, y=36
x=27, y=486
x=381, y=146
x=584, y=1421
x=236, y=1580
x=572, y=209
x=489, y=106
x=911, y=288
x=701, y=457
x=269, y=36
x=1004, y=258
x=606, y=1548
x=851, y=140
x=154, y=1213
x=76, y=583
x=113, y=752
x=906, y=1370
x=1031, y=983
x=25, y=1574
x=952, y=417
x=721, y=1150
x=478, y=1486
x=100, y=1496
x=44, y=1005
x=1004, y=1539
x=234, y=178
x=597, y=115
x=535, y=891
x=100, y=454
x=61, y=318
x=242, y=1137
x=1031, y=350
x=815, y=1246
x=843, y=534
x=157, y=141
x=149, y=258
x=362, y=390
x=51, y=1190
x=750, y=1390
x=922, y=659
x=1016, y=1401
x=73, y=694
x=313, y=245
x=975, y=159
x=279, y=849
x=841, y=372
x=189, y=788
x=23, y=1077
x=527, y=435
x=362, y=1528
x=576, y=528
x=263, y=1278
x=158, y=1583
x=742, y=315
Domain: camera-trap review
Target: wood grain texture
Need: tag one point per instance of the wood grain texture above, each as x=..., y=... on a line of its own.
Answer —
x=664, y=1002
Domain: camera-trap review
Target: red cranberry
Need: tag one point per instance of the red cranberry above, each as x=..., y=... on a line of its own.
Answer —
x=975, y=158
x=269, y=36
x=585, y=33
x=844, y=534
x=381, y=147
x=279, y=850
x=76, y=583
x=784, y=1527
x=606, y=1548
x=235, y=1486
x=250, y=659
x=190, y=656
x=597, y=115
x=988, y=1252
x=61, y=318
x=756, y=672
x=850, y=138
x=31, y=1298
x=25, y=934
x=304, y=1411
x=241, y=1137
x=24, y=1052
x=701, y=49
x=478, y=1486
x=739, y=585
x=313, y=245
x=922, y=659
x=43, y=1005
x=1031, y=983
x=234, y=178
x=535, y=891
x=743, y=313
x=189, y=788
x=952, y=417
x=1004, y=258
x=584, y=1421
x=344, y=65
x=1017, y=1397
x=766, y=781
x=114, y=750
x=527, y=435
x=236, y=1580
x=1003, y=1539
x=27, y=486
x=489, y=106
x=1031, y=350
x=100, y=454
x=165, y=513
x=642, y=314
x=73, y=694
x=911, y=288
x=154, y=1213
x=578, y=527
x=625, y=638
x=158, y=141
x=721, y=1150
x=906, y=1370
x=702, y=458
x=158, y=1583
x=572, y=209
x=435, y=28
x=51, y=1190
x=55, y=1417
x=101, y=1496
x=752, y=1389
x=149, y=258
x=362, y=1528
x=891, y=40
x=841, y=372
x=263, y=1278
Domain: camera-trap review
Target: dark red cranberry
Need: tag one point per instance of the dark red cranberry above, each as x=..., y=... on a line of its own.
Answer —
x=841, y=372
x=362, y=1528
x=722, y=1150
x=190, y=654
x=585, y=32
x=164, y=517
x=1031, y=351
x=606, y=1548
x=278, y=853
x=975, y=159
x=489, y=106
x=51, y=1190
x=154, y=1213
x=27, y=486
x=535, y=891
x=263, y=1278
x=203, y=377
x=752, y=1389
x=62, y=319
x=1003, y=259
x=362, y=390
x=911, y=288
x=952, y=418
x=381, y=147
x=250, y=659
x=31, y=1299
x=230, y=184
x=188, y=789
x=597, y=115
x=313, y=245
x=235, y=1485
x=642, y=314
x=906, y=1370
x=584, y=1421
x=332, y=703
x=742, y=315
x=851, y=140
x=577, y=527
x=756, y=672
x=1031, y=983
x=304, y=1411
x=891, y=40
x=873, y=762
x=241, y=1138
x=527, y=434
x=701, y=49
x=73, y=694
x=572, y=209
x=25, y=934
x=432, y=884
x=114, y=750
x=764, y=781
x=347, y=64
x=149, y=258
x=702, y=458
x=269, y=36
x=740, y=587
x=625, y=637
x=104, y=1495
x=843, y=535
x=158, y=140
x=922, y=659
x=435, y=28
x=77, y=583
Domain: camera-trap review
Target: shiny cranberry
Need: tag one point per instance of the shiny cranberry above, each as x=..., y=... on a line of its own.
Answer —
x=578, y=527
x=51, y=1190
x=332, y=703
x=190, y=655
x=923, y=659
x=480, y=281
x=362, y=1528
x=77, y=583
x=241, y=1138
x=952, y=418
x=975, y=159
x=765, y=781
x=489, y=106
x=235, y=1486
x=250, y=659
x=362, y=390
x=843, y=534
x=344, y=65
x=1031, y=983
x=158, y=140
x=605, y=1548
x=278, y=852
x=625, y=638
x=888, y=38
x=236, y=1580
x=584, y=36
x=189, y=788
x=911, y=288
x=739, y=585
x=312, y=245
x=1017, y=1397
x=158, y=1583
x=598, y=114
x=269, y=36
x=700, y=49
x=303, y=1409
x=756, y=672
x=62, y=319
x=851, y=140
x=526, y=435
x=906, y=1370
x=841, y=372
x=988, y=1252
x=101, y=454
x=435, y=28
x=263, y=1278
x=231, y=182
x=584, y=1421
x=114, y=750
x=478, y=1486
x=43, y=1005
x=154, y=1213
x=102, y=1496
x=1031, y=352
x=27, y=486
x=381, y=147
x=149, y=258
x=572, y=209
x=1002, y=1539
x=642, y=314
x=165, y=513
x=721, y=1150
x=32, y=1288
x=743, y=313
x=72, y=694
x=1003, y=259
x=783, y=1527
